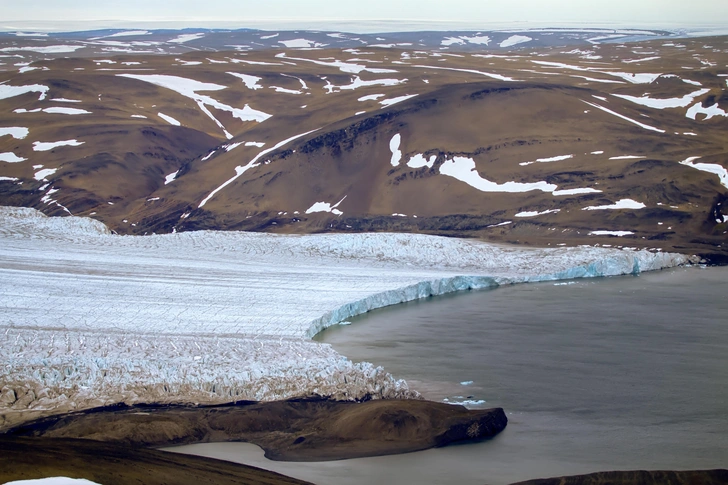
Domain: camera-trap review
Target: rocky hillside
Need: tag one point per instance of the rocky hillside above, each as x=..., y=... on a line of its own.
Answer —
x=619, y=144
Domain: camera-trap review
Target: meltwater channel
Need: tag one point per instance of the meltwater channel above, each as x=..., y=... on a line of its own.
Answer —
x=622, y=373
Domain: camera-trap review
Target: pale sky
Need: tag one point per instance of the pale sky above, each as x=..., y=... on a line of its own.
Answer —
x=360, y=13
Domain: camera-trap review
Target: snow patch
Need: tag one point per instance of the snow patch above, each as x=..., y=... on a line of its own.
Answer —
x=399, y=99
x=620, y=204
x=536, y=213
x=325, y=207
x=251, y=82
x=394, y=148
x=10, y=157
x=611, y=233
x=169, y=119
x=719, y=170
x=515, y=40
x=46, y=172
x=17, y=132
x=7, y=91
x=46, y=146
x=663, y=103
x=557, y=158
x=419, y=161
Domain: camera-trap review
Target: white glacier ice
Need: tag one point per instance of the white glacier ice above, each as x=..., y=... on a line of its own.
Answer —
x=212, y=317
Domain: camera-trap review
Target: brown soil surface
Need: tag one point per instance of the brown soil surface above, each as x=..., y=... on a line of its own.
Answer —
x=693, y=477
x=298, y=430
x=118, y=464
x=462, y=107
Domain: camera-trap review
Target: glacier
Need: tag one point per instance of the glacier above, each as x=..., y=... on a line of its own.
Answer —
x=91, y=318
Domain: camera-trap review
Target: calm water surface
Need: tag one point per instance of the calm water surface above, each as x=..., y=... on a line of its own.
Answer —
x=600, y=374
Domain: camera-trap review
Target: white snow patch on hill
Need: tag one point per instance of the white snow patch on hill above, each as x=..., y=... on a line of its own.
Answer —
x=394, y=148
x=46, y=146
x=715, y=168
x=662, y=103
x=536, y=213
x=7, y=91
x=17, y=132
x=301, y=43
x=398, y=99
x=181, y=39
x=47, y=49
x=251, y=82
x=515, y=40
x=53, y=481
x=169, y=119
x=709, y=112
x=620, y=204
x=325, y=207
x=10, y=157
x=189, y=87
x=46, y=172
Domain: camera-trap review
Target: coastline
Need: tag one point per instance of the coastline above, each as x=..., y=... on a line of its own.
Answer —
x=268, y=294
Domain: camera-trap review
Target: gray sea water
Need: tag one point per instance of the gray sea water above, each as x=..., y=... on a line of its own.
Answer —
x=600, y=374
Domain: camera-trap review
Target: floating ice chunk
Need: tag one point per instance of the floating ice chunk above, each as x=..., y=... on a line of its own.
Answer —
x=641, y=125
x=169, y=119
x=7, y=91
x=515, y=40
x=698, y=108
x=662, y=103
x=620, y=204
x=371, y=97
x=471, y=71
x=719, y=170
x=181, y=39
x=16, y=132
x=325, y=207
x=46, y=146
x=557, y=158
x=611, y=233
x=536, y=213
x=170, y=178
x=53, y=481
x=251, y=82
x=399, y=99
x=394, y=148
x=11, y=157
x=463, y=169
x=46, y=172
x=419, y=161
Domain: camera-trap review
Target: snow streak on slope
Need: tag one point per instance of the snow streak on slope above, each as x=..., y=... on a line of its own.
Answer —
x=189, y=87
x=220, y=316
